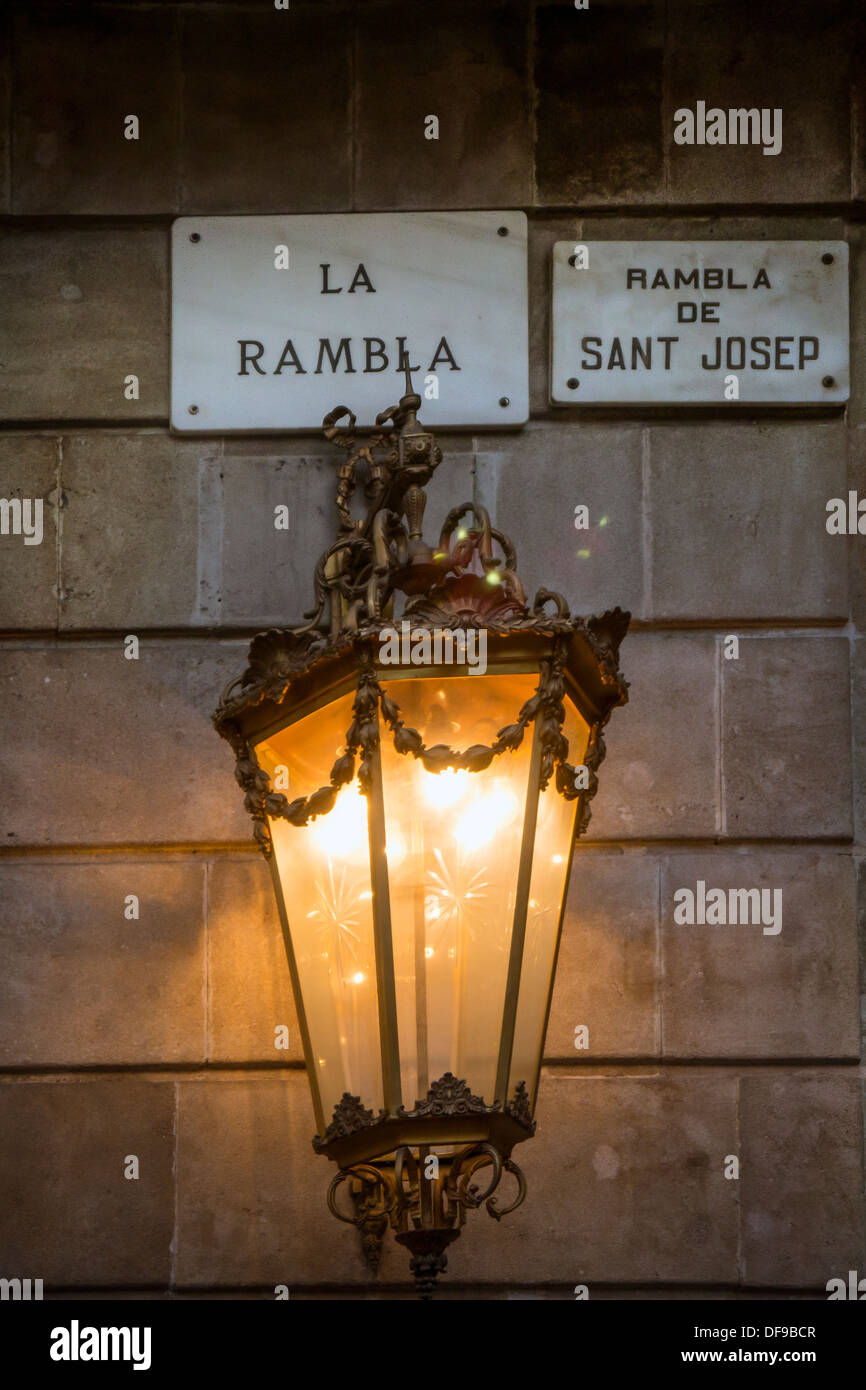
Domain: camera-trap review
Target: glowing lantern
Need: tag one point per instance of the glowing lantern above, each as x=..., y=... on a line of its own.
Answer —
x=439, y=762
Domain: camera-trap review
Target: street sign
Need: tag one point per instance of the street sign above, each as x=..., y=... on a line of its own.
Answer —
x=277, y=320
x=700, y=322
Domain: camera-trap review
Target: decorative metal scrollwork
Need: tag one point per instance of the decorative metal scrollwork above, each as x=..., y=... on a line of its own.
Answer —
x=425, y=1202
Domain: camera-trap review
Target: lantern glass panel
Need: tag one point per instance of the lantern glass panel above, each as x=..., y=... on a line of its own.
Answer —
x=453, y=849
x=324, y=874
x=548, y=884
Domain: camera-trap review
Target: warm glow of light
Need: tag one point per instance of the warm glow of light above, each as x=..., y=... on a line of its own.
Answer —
x=479, y=824
x=358, y=979
x=428, y=951
x=344, y=829
x=444, y=788
x=493, y=578
x=557, y=859
x=395, y=850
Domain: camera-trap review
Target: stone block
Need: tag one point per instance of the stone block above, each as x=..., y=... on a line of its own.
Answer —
x=28, y=572
x=532, y=484
x=734, y=55
x=859, y=741
x=801, y=1177
x=858, y=114
x=856, y=545
x=737, y=517
x=660, y=776
x=130, y=531
x=277, y=588
x=71, y=955
x=249, y=987
x=83, y=309
x=468, y=67
x=606, y=974
x=5, y=96
x=625, y=1185
x=266, y=110
x=598, y=76
x=252, y=1193
x=746, y=992
x=856, y=409
x=102, y=750
x=860, y=870
x=786, y=738
x=67, y=1213
x=725, y=224
x=79, y=73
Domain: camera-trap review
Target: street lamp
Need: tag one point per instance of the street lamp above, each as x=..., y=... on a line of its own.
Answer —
x=439, y=762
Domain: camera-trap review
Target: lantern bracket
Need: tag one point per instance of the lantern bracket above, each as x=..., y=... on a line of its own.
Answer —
x=424, y=1195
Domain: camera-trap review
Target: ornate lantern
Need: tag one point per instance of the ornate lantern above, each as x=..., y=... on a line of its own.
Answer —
x=439, y=762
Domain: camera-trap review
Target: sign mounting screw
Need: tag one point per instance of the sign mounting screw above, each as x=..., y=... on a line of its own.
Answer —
x=572, y=383
x=828, y=381
x=195, y=236
x=504, y=400
x=827, y=258
x=193, y=410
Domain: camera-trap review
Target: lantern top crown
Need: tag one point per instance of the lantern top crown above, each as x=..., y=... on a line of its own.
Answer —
x=468, y=580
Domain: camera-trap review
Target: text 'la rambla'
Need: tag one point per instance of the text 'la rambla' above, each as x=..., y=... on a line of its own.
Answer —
x=374, y=354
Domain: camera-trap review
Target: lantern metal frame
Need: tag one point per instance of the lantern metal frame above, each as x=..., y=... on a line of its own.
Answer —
x=468, y=581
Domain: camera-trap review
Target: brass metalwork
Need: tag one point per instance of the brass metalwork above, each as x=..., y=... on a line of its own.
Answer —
x=468, y=580
x=448, y=1106
x=425, y=1197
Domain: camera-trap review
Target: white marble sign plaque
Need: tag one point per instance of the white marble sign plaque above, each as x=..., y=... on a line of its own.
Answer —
x=700, y=322
x=277, y=320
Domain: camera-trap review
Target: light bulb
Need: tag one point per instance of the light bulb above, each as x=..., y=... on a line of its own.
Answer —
x=444, y=788
x=488, y=815
x=395, y=849
x=344, y=829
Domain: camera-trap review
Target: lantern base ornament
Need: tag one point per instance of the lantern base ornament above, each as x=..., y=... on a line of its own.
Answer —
x=424, y=1196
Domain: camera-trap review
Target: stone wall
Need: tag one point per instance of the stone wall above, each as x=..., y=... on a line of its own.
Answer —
x=155, y=1037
